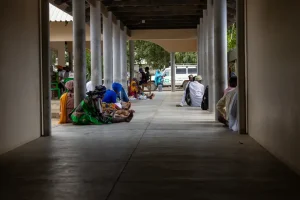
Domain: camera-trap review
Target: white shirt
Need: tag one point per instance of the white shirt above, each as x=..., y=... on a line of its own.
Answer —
x=89, y=86
x=196, y=93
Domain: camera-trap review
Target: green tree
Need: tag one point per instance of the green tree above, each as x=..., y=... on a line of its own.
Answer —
x=231, y=37
x=157, y=57
x=186, y=57
x=151, y=53
x=88, y=64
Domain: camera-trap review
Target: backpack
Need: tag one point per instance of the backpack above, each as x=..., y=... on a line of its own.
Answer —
x=204, y=104
x=188, y=99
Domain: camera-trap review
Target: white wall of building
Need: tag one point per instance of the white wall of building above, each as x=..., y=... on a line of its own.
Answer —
x=19, y=73
x=273, y=50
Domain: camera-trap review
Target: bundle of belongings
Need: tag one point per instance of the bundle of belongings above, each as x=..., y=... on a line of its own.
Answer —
x=91, y=110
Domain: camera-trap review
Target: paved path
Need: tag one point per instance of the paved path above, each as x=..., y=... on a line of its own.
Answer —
x=166, y=153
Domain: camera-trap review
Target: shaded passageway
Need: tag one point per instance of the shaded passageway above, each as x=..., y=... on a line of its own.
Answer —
x=165, y=153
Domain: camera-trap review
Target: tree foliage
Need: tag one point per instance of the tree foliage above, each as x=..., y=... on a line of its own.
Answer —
x=88, y=64
x=186, y=57
x=151, y=53
x=154, y=55
x=231, y=37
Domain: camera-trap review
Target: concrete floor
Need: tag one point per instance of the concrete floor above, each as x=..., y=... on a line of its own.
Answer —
x=165, y=153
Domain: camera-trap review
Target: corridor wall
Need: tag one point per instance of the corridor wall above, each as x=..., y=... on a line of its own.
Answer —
x=273, y=65
x=19, y=73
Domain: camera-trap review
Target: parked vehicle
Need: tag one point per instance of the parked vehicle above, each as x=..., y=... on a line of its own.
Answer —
x=181, y=75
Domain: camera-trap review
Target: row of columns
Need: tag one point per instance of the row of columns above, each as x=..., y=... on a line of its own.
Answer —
x=114, y=49
x=212, y=58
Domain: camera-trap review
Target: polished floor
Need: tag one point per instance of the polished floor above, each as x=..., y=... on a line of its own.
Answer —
x=165, y=153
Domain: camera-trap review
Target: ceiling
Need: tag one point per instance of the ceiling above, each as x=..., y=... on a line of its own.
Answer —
x=154, y=14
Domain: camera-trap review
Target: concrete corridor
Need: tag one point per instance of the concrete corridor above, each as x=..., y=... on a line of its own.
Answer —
x=166, y=153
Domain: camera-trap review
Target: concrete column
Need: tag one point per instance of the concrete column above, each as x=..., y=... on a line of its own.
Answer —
x=71, y=60
x=200, y=43
x=131, y=52
x=211, y=70
x=123, y=43
x=107, y=51
x=172, y=60
x=96, y=54
x=116, y=53
x=220, y=41
x=241, y=69
x=205, y=48
x=45, y=70
x=79, y=50
x=198, y=50
x=202, y=47
x=61, y=54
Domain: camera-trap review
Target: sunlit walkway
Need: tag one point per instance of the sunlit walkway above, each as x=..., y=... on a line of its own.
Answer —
x=166, y=153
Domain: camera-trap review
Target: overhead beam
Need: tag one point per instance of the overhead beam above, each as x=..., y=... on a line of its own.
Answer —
x=92, y=2
x=153, y=3
x=183, y=13
x=156, y=8
x=174, y=18
x=163, y=27
x=104, y=12
x=166, y=22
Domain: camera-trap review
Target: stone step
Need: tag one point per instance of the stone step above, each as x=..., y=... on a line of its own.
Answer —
x=55, y=106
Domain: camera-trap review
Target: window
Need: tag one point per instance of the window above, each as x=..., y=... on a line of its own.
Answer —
x=180, y=70
x=192, y=70
x=167, y=73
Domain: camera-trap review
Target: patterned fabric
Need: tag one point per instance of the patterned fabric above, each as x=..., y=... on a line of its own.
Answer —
x=108, y=109
x=86, y=113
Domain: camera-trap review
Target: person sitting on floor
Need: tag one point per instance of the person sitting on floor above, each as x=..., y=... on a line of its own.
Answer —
x=117, y=96
x=231, y=86
x=89, y=112
x=193, y=92
x=224, y=103
x=136, y=92
x=233, y=122
x=67, y=103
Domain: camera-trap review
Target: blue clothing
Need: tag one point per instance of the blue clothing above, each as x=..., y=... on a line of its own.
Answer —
x=118, y=92
x=158, y=78
x=117, y=87
x=110, y=97
x=124, y=96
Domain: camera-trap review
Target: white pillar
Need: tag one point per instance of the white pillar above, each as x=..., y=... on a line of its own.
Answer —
x=116, y=53
x=131, y=52
x=79, y=50
x=123, y=43
x=96, y=61
x=172, y=60
x=205, y=43
x=241, y=62
x=202, y=47
x=107, y=51
x=198, y=51
x=220, y=58
x=45, y=70
x=211, y=67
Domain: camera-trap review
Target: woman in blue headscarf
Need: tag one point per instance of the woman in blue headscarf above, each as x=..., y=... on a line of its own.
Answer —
x=158, y=78
x=111, y=96
x=118, y=93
